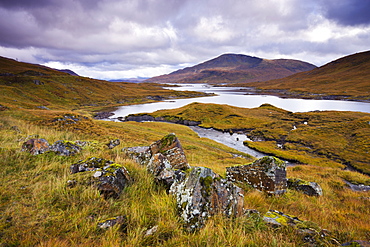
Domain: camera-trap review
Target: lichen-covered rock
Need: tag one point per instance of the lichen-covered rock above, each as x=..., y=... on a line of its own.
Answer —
x=89, y=164
x=112, y=179
x=141, y=154
x=310, y=233
x=36, y=146
x=170, y=147
x=203, y=193
x=65, y=148
x=163, y=171
x=108, y=223
x=113, y=143
x=308, y=188
x=266, y=174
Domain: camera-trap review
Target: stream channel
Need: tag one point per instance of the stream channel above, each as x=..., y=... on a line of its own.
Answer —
x=236, y=96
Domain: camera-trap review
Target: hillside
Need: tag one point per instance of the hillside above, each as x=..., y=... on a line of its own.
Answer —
x=235, y=68
x=33, y=86
x=347, y=77
x=44, y=203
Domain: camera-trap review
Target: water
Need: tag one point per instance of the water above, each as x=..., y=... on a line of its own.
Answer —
x=234, y=140
x=235, y=96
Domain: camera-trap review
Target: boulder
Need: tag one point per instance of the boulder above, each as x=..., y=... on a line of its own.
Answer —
x=308, y=188
x=265, y=174
x=310, y=233
x=203, y=193
x=90, y=164
x=162, y=170
x=170, y=147
x=65, y=148
x=36, y=146
x=113, y=143
x=140, y=154
x=112, y=179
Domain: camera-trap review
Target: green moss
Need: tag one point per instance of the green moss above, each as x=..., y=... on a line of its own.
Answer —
x=206, y=183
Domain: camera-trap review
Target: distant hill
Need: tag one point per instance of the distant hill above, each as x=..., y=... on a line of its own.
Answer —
x=68, y=71
x=33, y=86
x=348, y=76
x=235, y=68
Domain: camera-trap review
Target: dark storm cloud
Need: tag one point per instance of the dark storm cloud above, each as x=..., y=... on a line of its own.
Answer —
x=121, y=35
x=348, y=12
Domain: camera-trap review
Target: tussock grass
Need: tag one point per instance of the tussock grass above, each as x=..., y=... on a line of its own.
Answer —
x=39, y=209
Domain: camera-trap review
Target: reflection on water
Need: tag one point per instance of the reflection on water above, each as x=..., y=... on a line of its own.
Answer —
x=235, y=97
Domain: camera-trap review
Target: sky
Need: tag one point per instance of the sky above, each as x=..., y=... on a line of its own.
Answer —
x=113, y=39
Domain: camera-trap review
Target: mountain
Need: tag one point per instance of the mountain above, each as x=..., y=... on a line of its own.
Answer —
x=235, y=68
x=348, y=76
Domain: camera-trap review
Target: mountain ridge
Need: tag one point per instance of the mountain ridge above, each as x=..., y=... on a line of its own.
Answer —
x=229, y=67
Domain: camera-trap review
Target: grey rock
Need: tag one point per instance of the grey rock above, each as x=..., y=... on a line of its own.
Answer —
x=112, y=179
x=113, y=143
x=90, y=164
x=357, y=243
x=203, y=193
x=65, y=148
x=141, y=154
x=308, y=188
x=119, y=220
x=266, y=174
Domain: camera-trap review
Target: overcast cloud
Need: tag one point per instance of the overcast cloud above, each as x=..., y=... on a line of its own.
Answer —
x=111, y=39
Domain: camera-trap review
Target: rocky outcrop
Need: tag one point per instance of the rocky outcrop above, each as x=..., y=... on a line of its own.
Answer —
x=113, y=143
x=90, y=164
x=169, y=146
x=267, y=174
x=308, y=188
x=310, y=233
x=176, y=120
x=36, y=146
x=140, y=154
x=65, y=148
x=163, y=171
x=203, y=193
x=111, y=178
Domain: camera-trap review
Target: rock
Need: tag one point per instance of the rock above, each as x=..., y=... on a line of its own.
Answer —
x=103, y=115
x=357, y=243
x=141, y=154
x=71, y=183
x=65, y=148
x=308, y=188
x=113, y=143
x=162, y=170
x=170, y=147
x=119, y=220
x=266, y=174
x=43, y=107
x=112, y=179
x=90, y=164
x=151, y=231
x=203, y=193
x=309, y=232
x=36, y=146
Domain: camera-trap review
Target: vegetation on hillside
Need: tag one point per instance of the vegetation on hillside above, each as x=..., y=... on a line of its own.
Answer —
x=39, y=208
x=324, y=138
x=346, y=78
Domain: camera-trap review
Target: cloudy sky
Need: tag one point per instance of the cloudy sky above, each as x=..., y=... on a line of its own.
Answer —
x=111, y=39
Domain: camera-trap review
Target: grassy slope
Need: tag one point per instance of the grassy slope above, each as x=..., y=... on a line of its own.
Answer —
x=38, y=209
x=330, y=138
x=348, y=76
